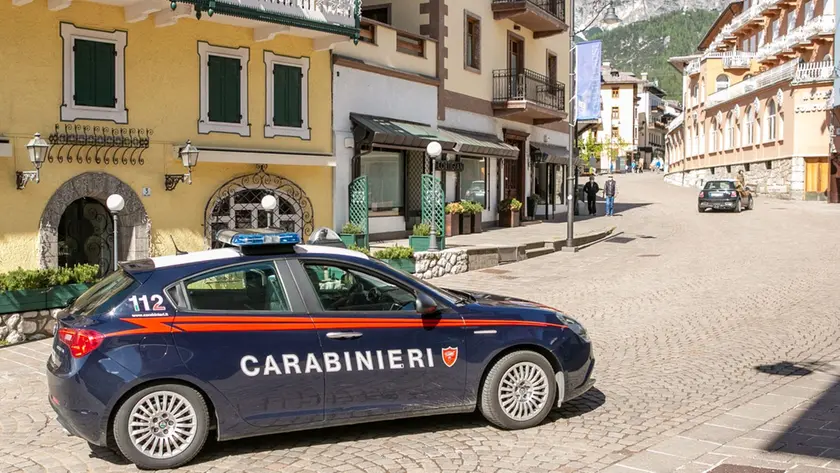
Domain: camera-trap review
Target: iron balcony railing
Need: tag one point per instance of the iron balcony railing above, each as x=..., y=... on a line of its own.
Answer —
x=555, y=8
x=510, y=85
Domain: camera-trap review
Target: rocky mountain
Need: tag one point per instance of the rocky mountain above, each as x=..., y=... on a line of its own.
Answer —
x=590, y=13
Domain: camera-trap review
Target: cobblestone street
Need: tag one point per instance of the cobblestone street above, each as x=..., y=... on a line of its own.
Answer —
x=692, y=315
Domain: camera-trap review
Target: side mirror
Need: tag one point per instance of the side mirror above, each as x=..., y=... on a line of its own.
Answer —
x=425, y=305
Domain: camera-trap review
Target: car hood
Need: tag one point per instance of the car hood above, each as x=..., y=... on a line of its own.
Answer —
x=494, y=300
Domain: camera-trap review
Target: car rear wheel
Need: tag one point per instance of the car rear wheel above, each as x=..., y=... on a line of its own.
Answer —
x=738, y=206
x=162, y=427
x=750, y=204
x=700, y=209
x=519, y=391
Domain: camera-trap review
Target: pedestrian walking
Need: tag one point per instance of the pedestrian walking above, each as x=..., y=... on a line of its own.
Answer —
x=609, y=195
x=633, y=165
x=591, y=190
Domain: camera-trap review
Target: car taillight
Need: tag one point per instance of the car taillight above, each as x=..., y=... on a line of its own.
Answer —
x=701, y=194
x=734, y=194
x=80, y=341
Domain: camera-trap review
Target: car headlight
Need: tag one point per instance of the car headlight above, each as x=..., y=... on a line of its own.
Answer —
x=574, y=325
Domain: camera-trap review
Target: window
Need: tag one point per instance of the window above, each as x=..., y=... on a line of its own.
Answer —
x=224, y=90
x=385, y=174
x=702, y=90
x=721, y=82
x=774, y=26
x=472, y=42
x=615, y=92
x=791, y=20
x=349, y=290
x=551, y=71
x=614, y=113
x=719, y=185
x=753, y=43
x=749, y=127
x=729, y=132
x=380, y=13
x=103, y=296
x=809, y=10
x=771, y=120
x=615, y=134
x=760, y=39
x=251, y=287
x=93, y=74
x=473, y=180
x=713, y=136
x=286, y=96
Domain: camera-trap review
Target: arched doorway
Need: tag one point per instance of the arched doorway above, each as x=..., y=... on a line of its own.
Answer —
x=64, y=222
x=85, y=235
x=238, y=204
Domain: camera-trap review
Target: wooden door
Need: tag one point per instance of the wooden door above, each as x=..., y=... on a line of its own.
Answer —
x=511, y=175
x=816, y=175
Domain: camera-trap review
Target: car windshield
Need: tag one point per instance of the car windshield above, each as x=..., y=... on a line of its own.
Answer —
x=452, y=298
x=720, y=186
x=95, y=298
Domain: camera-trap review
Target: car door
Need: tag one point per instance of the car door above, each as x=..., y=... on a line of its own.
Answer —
x=244, y=329
x=381, y=357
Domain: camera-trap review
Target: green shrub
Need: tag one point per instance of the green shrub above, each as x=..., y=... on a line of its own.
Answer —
x=351, y=228
x=394, y=252
x=44, y=278
x=510, y=204
x=422, y=229
x=359, y=249
x=471, y=207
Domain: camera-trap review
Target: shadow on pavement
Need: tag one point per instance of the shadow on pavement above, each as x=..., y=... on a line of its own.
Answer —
x=815, y=432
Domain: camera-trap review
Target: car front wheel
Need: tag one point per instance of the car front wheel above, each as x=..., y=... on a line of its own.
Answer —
x=519, y=391
x=162, y=427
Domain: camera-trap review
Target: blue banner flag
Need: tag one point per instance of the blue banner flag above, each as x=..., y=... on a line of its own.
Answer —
x=588, y=80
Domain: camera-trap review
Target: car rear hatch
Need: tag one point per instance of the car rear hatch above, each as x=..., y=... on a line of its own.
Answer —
x=715, y=194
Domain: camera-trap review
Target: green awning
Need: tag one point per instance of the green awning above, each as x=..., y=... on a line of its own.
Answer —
x=480, y=144
x=395, y=133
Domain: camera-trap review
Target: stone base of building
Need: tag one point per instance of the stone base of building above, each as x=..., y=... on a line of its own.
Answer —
x=27, y=326
x=780, y=178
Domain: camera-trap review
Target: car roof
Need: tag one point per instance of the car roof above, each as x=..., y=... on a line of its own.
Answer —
x=232, y=253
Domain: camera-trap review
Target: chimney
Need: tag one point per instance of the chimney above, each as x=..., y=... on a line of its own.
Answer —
x=644, y=76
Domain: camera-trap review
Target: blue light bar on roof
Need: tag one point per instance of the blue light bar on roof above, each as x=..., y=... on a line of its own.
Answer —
x=257, y=236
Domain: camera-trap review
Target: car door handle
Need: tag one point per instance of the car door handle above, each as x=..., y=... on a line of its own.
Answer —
x=344, y=335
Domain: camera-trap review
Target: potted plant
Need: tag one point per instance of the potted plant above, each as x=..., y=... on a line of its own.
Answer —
x=352, y=235
x=398, y=257
x=419, y=240
x=509, y=210
x=466, y=217
x=475, y=213
x=28, y=290
x=453, y=212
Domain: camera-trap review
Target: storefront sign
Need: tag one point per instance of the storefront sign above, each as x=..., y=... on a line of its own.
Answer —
x=450, y=166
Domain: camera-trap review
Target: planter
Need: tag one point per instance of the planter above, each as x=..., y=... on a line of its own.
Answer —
x=26, y=300
x=509, y=218
x=350, y=239
x=476, y=223
x=453, y=225
x=403, y=264
x=418, y=243
x=466, y=224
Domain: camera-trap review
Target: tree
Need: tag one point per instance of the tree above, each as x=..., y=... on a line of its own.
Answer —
x=589, y=148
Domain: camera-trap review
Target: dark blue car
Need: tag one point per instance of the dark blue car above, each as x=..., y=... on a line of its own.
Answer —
x=269, y=336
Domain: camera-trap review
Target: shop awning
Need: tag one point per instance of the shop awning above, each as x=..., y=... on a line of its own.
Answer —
x=394, y=133
x=556, y=154
x=480, y=144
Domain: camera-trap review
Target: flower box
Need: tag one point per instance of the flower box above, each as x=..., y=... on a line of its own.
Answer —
x=453, y=225
x=402, y=264
x=351, y=239
x=509, y=218
x=466, y=224
x=419, y=243
x=476, y=222
x=25, y=300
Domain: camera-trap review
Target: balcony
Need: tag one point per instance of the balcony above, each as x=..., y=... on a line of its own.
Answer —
x=737, y=60
x=809, y=72
x=382, y=47
x=799, y=39
x=543, y=17
x=777, y=74
x=528, y=97
x=693, y=67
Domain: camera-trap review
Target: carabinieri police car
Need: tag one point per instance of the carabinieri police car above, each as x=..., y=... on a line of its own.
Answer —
x=268, y=335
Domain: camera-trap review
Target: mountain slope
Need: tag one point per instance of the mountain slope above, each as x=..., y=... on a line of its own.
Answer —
x=590, y=13
x=646, y=45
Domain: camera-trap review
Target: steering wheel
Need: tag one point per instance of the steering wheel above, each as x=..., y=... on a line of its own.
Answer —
x=374, y=294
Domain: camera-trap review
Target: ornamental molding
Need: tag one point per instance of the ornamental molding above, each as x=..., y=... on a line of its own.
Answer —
x=756, y=105
x=737, y=111
x=719, y=116
x=780, y=97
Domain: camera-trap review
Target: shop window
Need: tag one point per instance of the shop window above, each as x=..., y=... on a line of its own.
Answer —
x=385, y=173
x=94, y=74
x=473, y=181
x=224, y=90
x=287, y=93
x=472, y=42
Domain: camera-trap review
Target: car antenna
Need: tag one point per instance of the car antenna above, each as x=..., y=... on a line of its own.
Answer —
x=177, y=250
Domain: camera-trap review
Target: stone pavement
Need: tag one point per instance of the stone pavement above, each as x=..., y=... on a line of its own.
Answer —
x=696, y=320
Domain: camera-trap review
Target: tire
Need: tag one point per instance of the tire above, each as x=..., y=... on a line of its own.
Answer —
x=751, y=204
x=738, y=206
x=181, y=397
x=509, y=371
x=700, y=209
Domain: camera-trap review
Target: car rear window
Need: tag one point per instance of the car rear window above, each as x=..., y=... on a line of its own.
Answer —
x=720, y=186
x=104, y=295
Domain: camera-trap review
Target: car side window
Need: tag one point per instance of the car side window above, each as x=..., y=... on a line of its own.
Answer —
x=251, y=287
x=350, y=290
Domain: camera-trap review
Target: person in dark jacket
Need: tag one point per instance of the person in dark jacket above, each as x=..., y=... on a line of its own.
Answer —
x=609, y=196
x=591, y=190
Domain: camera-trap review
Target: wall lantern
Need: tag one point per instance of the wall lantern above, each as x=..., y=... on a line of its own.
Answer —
x=38, y=149
x=189, y=158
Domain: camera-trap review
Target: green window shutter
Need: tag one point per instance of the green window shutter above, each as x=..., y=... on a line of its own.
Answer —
x=95, y=73
x=224, y=89
x=287, y=96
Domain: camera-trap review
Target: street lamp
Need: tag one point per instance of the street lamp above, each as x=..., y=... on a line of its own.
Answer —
x=37, y=148
x=610, y=18
x=115, y=204
x=189, y=158
x=434, y=149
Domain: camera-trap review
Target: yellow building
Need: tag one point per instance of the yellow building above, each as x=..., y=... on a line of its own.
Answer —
x=757, y=99
x=118, y=87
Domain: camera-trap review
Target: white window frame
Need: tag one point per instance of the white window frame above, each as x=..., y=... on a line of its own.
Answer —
x=205, y=126
x=749, y=127
x=303, y=132
x=69, y=110
x=771, y=120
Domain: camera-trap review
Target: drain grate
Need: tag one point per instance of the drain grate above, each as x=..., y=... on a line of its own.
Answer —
x=495, y=271
x=649, y=256
x=621, y=240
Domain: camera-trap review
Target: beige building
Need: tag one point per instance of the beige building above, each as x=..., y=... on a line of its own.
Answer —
x=501, y=69
x=757, y=97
